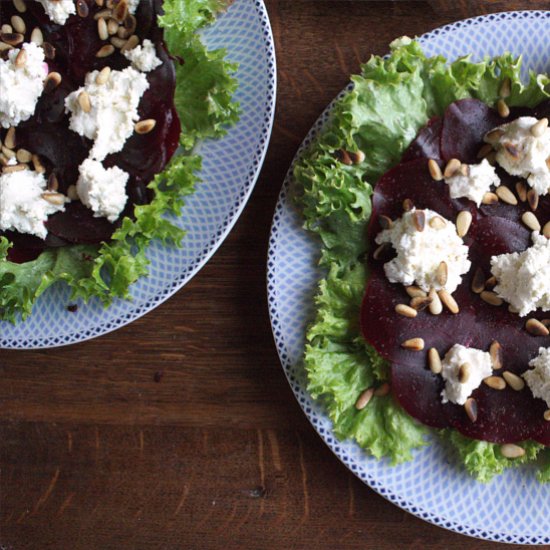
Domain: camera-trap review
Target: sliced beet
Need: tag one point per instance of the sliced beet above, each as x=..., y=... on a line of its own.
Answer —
x=503, y=416
x=465, y=122
x=426, y=143
x=78, y=225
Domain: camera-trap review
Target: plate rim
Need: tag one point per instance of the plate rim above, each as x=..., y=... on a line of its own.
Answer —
x=257, y=161
x=280, y=344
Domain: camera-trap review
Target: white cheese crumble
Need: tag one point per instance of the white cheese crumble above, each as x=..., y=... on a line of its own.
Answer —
x=133, y=6
x=114, y=110
x=102, y=189
x=22, y=207
x=524, y=277
x=480, y=367
x=143, y=57
x=521, y=153
x=59, y=10
x=419, y=253
x=20, y=87
x=538, y=378
x=478, y=181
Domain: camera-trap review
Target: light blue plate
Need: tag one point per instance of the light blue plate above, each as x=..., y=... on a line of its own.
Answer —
x=513, y=508
x=230, y=168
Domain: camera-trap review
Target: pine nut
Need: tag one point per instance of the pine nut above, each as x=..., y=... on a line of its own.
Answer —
x=435, y=170
x=420, y=303
x=435, y=306
x=84, y=101
x=463, y=223
x=495, y=351
x=464, y=373
x=23, y=156
x=484, y=151
x=471, y=408
x=9, y=139
x=509, y=450
x=357, y=157
x=363, y=399
x=102, y=31
x=408, y=205
x=505, y=88
x=489, y=198
x=442, y=274
x=478, y=281
x=413, y=344
x=19, y=25
x=448, y=301
x=103, y=75
x=533, y=199
x=546, y=230
x=406, y=311
x=502, y=108
x=521, y=190
x=415, y=292
x=419, y=220
x=514, y=381
x=495, y=382
x=434, y=361
x=537, y=129
x=452, y=166
x=105, y=51
x=505, y=195
x=437, y=223
x=530, y=220
x=536, y=328
x=133, y=41
x=491, y=298
x=20, y=6
x=383, y=390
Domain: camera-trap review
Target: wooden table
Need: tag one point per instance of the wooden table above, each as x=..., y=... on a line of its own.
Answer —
x=180, y=430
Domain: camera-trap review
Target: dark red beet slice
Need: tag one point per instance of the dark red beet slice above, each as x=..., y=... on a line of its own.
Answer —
x=426, y=143
x=465, y=122
x=503, y=416
x=78, y=225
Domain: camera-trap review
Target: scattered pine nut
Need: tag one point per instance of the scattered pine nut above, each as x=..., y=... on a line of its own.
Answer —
x=84, y=101
x=537, y=129
x=495, y=382
x=491, y=298
x=19, y=25
x=530, y=220
x=23, y=156
x=9, y=139
x=505, y=195
x=435, y=170
x=408, y=205
x=448, y=301
x=20, y=6
x=471, y=408
x=464, y=373
x=102, y=31
x=52, y=81
x=521, y=190
x=105, y=51
x=546, y=415
x=533, y=199
x=406, y=311
x=546, y=230
x=484, y=151
x=452, y=167
x=37, y=37
x=505, y=88
x=437, y=222
x=419, y=220
x=363, y=399
x=509, y=450
x=536, y=328
x=514, y=381
x=413, y=344
x=502, y=108
x=463, y=223
x=357, y=157
x=415, y=292
x=442, y=273
x=489, y=198
x=435, y=306
x=478, y=281
x=495, y=351
x=382, y=390
x=132, y=42
x=434, y=361
x=420, y=303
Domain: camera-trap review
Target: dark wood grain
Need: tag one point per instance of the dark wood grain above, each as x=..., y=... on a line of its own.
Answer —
x=180, y=431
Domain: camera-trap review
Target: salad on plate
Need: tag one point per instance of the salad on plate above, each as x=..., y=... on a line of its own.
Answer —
x=101, y=105
x=429, y=188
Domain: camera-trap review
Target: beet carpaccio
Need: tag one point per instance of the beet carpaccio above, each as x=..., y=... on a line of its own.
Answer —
x=418, y=329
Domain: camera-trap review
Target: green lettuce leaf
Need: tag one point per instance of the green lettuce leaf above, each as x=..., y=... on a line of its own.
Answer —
x=204, y=89
x=391, y=100
x=484, y=460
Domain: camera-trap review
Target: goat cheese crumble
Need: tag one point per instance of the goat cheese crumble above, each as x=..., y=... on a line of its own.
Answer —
x=143, y=57
x=110, y=120
x=419, y=253
x=477, y=181
x=102, y=189
x=23, y=207
x=21, y=84
x=59, y=10
x=523, y=278
x=480, y=367
x=538, y=378
x=521, y=151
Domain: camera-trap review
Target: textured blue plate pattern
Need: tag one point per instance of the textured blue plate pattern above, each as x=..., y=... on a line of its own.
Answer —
x=514, y=508
x=230, y=168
